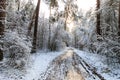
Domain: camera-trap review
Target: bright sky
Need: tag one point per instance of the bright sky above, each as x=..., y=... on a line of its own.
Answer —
x=85, y=5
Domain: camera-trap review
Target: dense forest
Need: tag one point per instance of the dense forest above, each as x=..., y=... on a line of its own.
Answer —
x=59, y=39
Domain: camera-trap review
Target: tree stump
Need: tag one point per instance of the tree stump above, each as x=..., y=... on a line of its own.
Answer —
x=65, y=67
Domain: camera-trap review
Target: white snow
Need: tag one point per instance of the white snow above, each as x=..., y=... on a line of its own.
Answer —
x=40, y=63
x=99, y=62
x=41, y=60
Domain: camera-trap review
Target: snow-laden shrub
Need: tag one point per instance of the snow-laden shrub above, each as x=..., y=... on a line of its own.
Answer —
x=18, y=56
x=82, y=39
x=84, y=33
x=106, y=47
x=16, y=50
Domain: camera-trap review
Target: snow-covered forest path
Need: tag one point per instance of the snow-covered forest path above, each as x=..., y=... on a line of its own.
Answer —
x=61, y=66
x=70, y=66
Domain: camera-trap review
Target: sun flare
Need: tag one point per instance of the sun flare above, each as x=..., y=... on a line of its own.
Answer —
x=86, y=4
x=83, y=5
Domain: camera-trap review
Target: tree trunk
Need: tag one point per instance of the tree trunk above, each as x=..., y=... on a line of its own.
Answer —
x=98, y=18
x=31, y=22
x=2, y=22
x=18, y=4
x=35, y=29
x=119, y=20
x=49, y=37
x=1, y=55
x=66, y=16
x=2, y=16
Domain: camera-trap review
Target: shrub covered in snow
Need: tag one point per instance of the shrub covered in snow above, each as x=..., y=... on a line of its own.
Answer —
x=16, y=50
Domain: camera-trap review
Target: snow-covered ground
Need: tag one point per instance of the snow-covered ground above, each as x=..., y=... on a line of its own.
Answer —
x=40, y=63
x=41, y=60
x=100, y=63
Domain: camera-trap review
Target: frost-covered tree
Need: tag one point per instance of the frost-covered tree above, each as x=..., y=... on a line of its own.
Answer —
x=15, y=44
x=109, y=18
x=108, y=43
x=53, y=5
x=69, y=12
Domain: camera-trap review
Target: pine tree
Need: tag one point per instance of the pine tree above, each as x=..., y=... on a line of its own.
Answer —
x=31, y=22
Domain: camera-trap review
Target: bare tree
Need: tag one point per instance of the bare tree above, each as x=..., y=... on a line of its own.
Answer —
x=98, y=18
x=2, y=22
x=35, y=28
